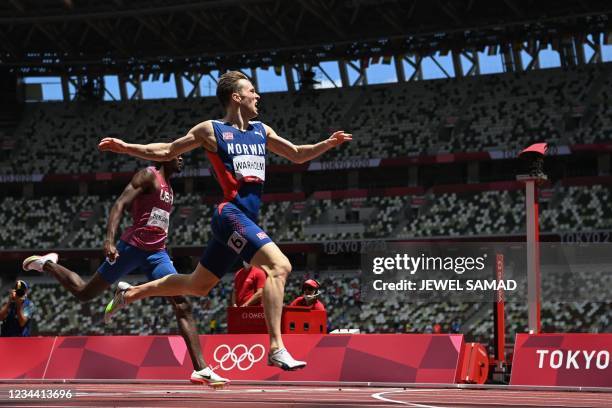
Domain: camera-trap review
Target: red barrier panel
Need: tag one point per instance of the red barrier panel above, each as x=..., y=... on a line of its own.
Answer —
x=303, y=320
x=294, y=320
x=562, y=360
x=367, y=357
x=24, y=357
x=247, y=319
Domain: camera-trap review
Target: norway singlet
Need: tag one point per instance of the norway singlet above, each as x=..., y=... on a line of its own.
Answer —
x=240, y=165
x=240, y=168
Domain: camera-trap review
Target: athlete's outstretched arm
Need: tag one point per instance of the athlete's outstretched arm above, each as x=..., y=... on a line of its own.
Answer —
x=200, y=135
x=303, y=153
x=141, y=182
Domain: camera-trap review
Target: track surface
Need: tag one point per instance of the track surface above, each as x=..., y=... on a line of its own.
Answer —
x=179, y=395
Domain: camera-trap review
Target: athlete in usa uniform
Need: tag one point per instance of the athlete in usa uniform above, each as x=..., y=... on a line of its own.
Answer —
x=142, y=247
x=236, y=147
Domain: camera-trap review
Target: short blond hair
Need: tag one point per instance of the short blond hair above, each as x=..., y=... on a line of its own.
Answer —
x=228, y=84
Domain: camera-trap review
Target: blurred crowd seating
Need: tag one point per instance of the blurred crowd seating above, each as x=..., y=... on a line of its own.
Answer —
x=58, y=313
x=503, y=111
x=80, y=221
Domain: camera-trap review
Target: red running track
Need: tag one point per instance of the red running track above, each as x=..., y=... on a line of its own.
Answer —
x=187, y=395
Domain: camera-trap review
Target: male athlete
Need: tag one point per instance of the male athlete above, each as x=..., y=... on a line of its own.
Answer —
x=236, y=148
x=142, y=246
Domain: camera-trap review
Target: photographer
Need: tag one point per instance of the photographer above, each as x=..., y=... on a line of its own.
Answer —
x=16, y=313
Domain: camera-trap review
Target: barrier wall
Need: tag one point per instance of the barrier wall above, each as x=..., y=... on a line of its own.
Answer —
x=372, y=357
x=562, y=360
x=294, y=320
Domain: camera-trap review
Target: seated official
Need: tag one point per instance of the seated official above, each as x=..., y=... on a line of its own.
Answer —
x=249, y=282
x=17, y=312
x=310, y=296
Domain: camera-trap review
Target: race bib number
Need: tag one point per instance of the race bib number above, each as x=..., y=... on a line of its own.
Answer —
x=237, y=242
x=159, y=218
x=250, y=168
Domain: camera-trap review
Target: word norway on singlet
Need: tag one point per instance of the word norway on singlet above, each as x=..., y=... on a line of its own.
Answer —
x=244, y=148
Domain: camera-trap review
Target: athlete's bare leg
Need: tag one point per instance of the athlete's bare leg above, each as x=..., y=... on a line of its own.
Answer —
x=187, y=327
x=277, y=266
x=70, y=280
x=201, y=281
x=198, y=283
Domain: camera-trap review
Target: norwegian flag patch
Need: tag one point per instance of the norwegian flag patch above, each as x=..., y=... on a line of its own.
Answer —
x=262, y=235
x=228, y=136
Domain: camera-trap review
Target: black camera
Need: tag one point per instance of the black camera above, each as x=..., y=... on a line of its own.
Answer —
x=20, y=288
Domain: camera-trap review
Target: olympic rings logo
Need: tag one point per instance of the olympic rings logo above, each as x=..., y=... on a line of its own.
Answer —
x=240, y=356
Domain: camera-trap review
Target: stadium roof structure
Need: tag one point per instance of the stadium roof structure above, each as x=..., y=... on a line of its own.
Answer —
x=90, y=36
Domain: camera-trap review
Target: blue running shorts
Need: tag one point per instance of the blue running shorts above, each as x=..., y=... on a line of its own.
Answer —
x=155, y=264
x=234, y=237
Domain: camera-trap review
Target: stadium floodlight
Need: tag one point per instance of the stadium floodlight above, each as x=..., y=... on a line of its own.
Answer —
x=534, y=157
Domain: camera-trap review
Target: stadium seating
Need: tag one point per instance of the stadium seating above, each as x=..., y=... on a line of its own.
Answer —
x=469, y=214
x=82, y=219
x=580, y=208
x=41, y=223
x=503, y=111
x=507, y=111
x=58, y=313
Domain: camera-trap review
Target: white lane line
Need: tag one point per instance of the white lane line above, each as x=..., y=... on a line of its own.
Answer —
x=49, y=359
x=379, y=396
x=478, y=399
x=514, y=400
